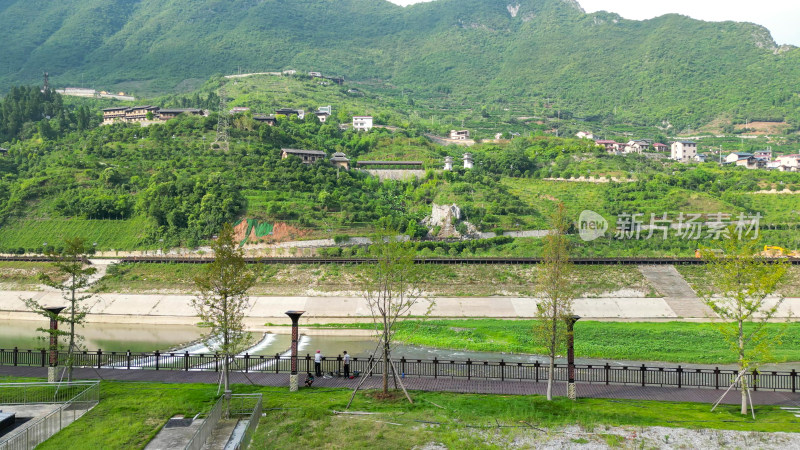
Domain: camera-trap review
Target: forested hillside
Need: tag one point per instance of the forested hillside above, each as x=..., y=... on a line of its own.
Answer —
x=127, y=187
x=546, y=57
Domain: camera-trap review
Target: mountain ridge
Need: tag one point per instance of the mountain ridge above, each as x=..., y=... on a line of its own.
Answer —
x=481, y=51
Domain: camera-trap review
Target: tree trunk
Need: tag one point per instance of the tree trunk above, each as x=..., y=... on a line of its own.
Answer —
x=386, y=367
x=553, y=339
x=71, y=351
x=741, y=368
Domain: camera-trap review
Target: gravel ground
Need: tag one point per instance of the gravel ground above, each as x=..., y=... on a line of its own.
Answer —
x=574, y=437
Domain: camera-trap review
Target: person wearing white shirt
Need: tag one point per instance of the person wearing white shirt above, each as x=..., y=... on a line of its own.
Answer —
x=318, y=364
x=346, y=364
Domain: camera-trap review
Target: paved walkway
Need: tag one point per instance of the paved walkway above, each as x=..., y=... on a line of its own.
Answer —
x=680, y=297
x=460, y=385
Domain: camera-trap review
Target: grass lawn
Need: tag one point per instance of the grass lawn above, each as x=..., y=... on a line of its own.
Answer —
x=678, y=342
x=440, y=280
x=130, y=414
x=108, y=234
x=23, y=275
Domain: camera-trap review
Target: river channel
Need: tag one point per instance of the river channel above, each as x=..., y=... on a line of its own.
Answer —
x=147, y=338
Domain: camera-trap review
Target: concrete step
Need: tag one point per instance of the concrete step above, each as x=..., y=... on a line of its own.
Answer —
x=677, y=293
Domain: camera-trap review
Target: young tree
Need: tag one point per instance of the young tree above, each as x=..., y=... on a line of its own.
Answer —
x=72, y=278
x=742, y=291
x=391, y=288
x=556, y=291
x=222, y=299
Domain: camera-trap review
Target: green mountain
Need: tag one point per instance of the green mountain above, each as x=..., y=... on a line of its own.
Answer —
x=546, y=56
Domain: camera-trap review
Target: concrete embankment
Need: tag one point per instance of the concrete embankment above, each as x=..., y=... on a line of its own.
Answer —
x=177, y=309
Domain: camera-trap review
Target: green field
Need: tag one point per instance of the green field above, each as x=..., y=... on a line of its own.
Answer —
x=130, y=414
x=777, y=208
x=32, y=234
x=678, y=342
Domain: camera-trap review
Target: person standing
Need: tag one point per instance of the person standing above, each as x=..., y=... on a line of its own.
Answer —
x=318, y=364
x=346, y=364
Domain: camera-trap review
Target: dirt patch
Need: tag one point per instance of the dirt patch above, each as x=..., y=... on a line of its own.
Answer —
x=391, y=396
x=763, y=127
x=281, y=232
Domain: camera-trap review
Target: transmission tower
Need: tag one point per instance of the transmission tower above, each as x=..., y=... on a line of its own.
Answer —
x=46, y=86
x=222, y=121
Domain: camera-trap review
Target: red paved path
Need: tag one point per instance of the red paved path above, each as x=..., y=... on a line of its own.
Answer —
x=428, y=384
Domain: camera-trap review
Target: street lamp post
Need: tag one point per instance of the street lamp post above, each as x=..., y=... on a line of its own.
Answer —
x=51, y=369
x=295, y=316
x=571, y=356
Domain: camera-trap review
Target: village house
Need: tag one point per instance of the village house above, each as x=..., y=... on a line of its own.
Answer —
x=362, y=123
x=584, y=135
x=307, y=156
x=3, y=151
x=339, y=159
x=763, y=154
x=737, y=156
x=166, y=114
x=636, y=146
x=138, y=114
x=459, y=135
x=751, y=162
x=322, y=116
x=111, y=115
x=684, y=151
x=659, y=147
x=773, y=165
x=239, y=109
x=788, y=163
x=269, y=120
x=609, y=145
x=288, y=112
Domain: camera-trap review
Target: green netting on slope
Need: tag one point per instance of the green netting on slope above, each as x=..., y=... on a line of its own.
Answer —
x=261, y=230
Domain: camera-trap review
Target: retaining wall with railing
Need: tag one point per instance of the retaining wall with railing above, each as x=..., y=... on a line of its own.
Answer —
x=75, y=399
x=680, y=377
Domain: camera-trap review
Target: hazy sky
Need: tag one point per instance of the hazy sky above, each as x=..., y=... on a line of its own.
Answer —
x=781, y=17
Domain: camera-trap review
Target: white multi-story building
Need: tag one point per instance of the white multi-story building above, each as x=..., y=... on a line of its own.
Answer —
x=362, y=123
x=459, y=135
x=684, y=151
x=789, y=163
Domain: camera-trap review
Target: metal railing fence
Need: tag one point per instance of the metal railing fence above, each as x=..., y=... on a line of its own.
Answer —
x=84, y=396
x=642, y=375
x=204, y=431
x=249, y=406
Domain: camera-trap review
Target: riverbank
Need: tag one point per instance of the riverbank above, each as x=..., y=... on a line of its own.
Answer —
x=177, y=310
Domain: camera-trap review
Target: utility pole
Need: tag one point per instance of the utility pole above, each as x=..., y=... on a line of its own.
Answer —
x=222, y=121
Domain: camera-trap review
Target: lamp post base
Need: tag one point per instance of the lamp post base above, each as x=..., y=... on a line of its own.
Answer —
x=293, y=387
